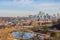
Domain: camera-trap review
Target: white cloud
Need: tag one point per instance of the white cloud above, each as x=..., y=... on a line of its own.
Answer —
x=27, y=3
x=45, y=7
x=15, y=2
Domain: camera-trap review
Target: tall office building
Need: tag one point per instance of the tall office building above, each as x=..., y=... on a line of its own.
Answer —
x=44, y=16
x=54, y=18
x=47, y=16
x=58, y=16
x=41, y=14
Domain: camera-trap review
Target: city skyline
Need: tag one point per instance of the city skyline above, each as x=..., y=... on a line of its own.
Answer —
x=28, y=7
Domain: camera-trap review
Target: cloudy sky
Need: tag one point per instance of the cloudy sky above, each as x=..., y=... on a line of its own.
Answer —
x=28, y=7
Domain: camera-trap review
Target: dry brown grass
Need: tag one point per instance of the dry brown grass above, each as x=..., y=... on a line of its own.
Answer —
x=5, y=34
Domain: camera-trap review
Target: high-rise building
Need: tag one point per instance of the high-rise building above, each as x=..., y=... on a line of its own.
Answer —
x=41, y=14
x=44, y=16
x=58, y=16
x=54, y=18
x=47, y=16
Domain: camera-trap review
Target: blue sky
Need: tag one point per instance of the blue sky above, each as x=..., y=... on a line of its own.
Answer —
x=27, y=7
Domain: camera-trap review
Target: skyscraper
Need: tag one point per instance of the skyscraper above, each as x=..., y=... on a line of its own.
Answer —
x=41, y=14
x=58, y=16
